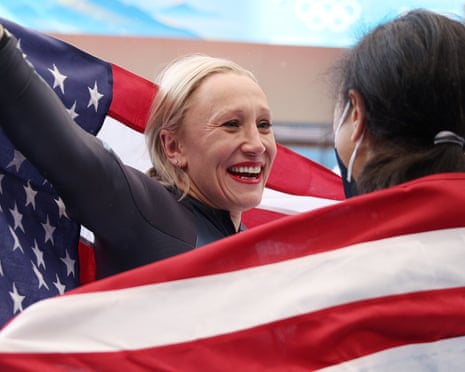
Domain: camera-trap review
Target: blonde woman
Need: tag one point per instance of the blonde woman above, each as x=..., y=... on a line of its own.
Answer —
x=210, y=139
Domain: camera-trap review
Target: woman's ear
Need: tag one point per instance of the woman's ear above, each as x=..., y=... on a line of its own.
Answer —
x=357, y=114
x=170, y=143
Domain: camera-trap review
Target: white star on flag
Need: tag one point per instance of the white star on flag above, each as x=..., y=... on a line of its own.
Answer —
x=17, y=217
x=72, y=111
x=39, y=255
x=61, y=208
x=69, y=262
x=59, y=79
x=30, y=195
x=17, y=300
x=49, y=229
x=16, y=242
x=95, y=96
x=59, y=286
x=39, y=276
x=18, y=160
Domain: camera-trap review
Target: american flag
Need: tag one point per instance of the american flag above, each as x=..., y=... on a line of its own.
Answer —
x=374, y=283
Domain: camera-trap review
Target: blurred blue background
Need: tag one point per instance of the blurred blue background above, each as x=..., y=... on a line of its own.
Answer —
x=332, y=23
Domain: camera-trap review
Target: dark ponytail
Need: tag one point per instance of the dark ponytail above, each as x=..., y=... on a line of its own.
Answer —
x=396, y=165
x=410, y=73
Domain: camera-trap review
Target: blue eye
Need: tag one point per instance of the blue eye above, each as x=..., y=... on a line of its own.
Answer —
x=231, y=123
x=264, y=124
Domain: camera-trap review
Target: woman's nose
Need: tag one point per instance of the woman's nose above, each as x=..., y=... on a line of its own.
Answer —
x=253, y=142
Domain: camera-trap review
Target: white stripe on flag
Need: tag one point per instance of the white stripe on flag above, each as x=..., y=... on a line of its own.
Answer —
x=280, y=202
x=126, y=142
x=449, y=354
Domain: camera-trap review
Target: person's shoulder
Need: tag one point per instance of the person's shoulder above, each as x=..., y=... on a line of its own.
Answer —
x=449, y=178
x=143, y=182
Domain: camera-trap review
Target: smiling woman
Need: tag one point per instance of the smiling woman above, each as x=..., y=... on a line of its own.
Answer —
x=226, y=137
x=212, y=148
x=210, y=120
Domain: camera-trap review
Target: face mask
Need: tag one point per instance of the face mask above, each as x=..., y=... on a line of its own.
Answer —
x=350, y=187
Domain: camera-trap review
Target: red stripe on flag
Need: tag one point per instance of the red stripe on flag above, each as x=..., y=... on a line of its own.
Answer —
x=87, y=267
x=257, y=217
x=295, y=174
x=132, y=98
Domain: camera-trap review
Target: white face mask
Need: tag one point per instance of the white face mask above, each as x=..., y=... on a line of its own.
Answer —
x=343, y=118
x=354, y=154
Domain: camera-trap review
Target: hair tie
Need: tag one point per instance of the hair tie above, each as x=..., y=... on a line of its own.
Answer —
x=446, y=136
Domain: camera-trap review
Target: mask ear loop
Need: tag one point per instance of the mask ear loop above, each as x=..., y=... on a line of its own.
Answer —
x=343, y=118
x=352, y=157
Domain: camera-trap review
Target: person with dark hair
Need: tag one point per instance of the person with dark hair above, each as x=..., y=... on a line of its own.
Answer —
x=210, y=137
x=400, y=111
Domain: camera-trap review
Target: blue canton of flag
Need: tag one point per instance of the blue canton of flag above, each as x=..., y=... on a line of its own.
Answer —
x=38, y=240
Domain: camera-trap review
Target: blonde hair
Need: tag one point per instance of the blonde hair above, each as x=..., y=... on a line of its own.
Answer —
x=176, y=84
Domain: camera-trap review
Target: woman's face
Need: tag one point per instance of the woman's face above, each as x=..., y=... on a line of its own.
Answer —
x=226, y=142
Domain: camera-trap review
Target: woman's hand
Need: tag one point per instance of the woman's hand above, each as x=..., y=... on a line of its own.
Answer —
x=1, y=31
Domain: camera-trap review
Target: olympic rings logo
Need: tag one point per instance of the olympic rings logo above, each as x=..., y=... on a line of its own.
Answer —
x=332, y=15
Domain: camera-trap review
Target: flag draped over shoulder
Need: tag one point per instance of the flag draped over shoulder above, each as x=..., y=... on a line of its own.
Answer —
x=373, y=283
x=39, y=255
